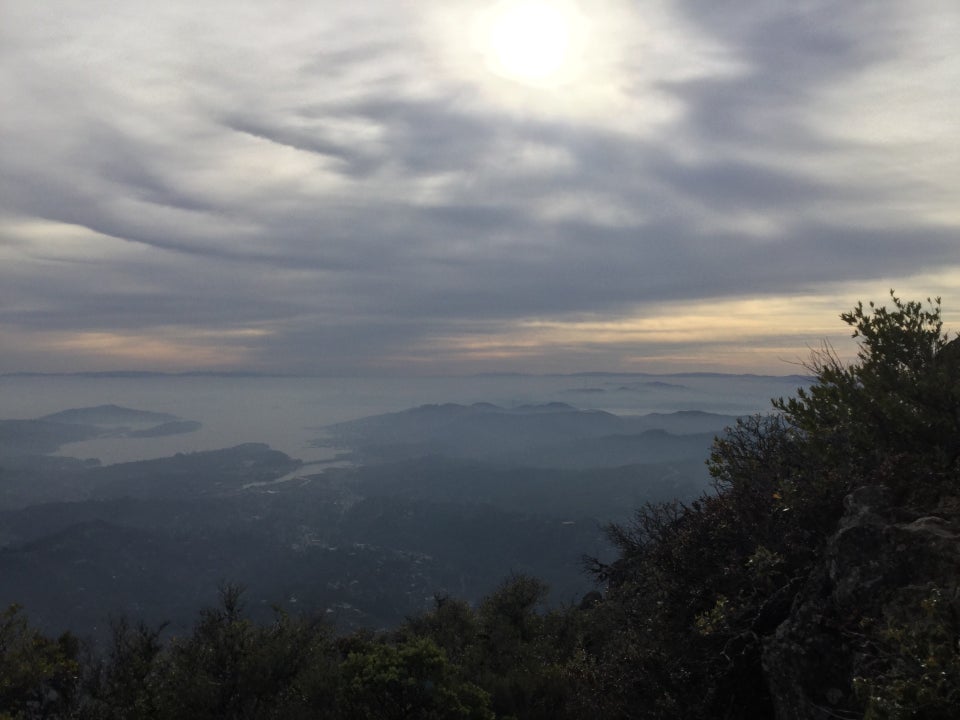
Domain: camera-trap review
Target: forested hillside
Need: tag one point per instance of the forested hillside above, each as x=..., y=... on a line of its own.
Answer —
x=820, y=578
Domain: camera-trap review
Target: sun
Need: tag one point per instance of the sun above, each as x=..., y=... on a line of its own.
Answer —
x=530, y=41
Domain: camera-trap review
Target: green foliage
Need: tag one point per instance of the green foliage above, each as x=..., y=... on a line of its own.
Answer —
x=412, y=678
x=714, y=620
x=915, y=662
x=520, y=655
x=513, y=657
x=697, y=587
x=126, y=683
x=231, y=667
x=509, y=617
x=452, y=625
x=38, y=676
x=898, y=404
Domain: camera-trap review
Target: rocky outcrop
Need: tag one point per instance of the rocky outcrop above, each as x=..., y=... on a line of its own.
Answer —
x=879, y=570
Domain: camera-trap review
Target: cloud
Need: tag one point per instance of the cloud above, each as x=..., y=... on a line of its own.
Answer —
x=326, y=188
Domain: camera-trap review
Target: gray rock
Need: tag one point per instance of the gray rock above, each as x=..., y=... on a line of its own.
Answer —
x=875, y=566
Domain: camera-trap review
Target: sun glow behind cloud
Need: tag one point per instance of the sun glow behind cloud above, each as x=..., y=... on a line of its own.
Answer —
x=568, y=60
x=533, y=42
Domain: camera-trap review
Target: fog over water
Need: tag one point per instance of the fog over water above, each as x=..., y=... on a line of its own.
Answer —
x=287, y=412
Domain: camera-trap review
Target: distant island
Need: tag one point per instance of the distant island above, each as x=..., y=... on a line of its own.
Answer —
x=47, y=434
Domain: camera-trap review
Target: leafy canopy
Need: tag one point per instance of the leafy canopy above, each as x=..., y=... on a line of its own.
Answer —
x=897, y=405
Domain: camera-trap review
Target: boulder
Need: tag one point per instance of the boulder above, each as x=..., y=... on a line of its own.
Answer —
x=877, y=568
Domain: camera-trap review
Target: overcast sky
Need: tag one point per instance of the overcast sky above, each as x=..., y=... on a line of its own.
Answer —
x=393, y=186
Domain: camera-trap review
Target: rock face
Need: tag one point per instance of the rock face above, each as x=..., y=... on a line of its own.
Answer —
x=879, y=568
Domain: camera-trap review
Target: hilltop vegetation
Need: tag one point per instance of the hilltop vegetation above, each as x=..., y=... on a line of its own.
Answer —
x=818, y=579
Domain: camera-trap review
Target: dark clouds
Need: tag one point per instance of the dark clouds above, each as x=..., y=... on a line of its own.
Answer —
x=327, y=190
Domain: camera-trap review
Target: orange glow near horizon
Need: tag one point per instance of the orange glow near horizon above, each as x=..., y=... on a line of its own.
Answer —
x=165, y=349
x=764, y=335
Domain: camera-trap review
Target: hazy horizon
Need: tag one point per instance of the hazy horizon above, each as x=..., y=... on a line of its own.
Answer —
x=288, y=413
x=133, y=374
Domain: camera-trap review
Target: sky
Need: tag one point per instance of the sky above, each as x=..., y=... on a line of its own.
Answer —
x=420, y=187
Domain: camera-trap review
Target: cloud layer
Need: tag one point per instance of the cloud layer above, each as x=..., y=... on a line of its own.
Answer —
x=314, y=187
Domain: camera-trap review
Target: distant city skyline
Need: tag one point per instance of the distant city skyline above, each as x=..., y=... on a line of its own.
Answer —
x=319, y=188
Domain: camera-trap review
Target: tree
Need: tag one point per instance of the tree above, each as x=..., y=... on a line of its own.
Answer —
x=698, y=587
x=409, y=679
x=127, y=683
x=38, y=676
x=231, y=668
x=896, y=411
